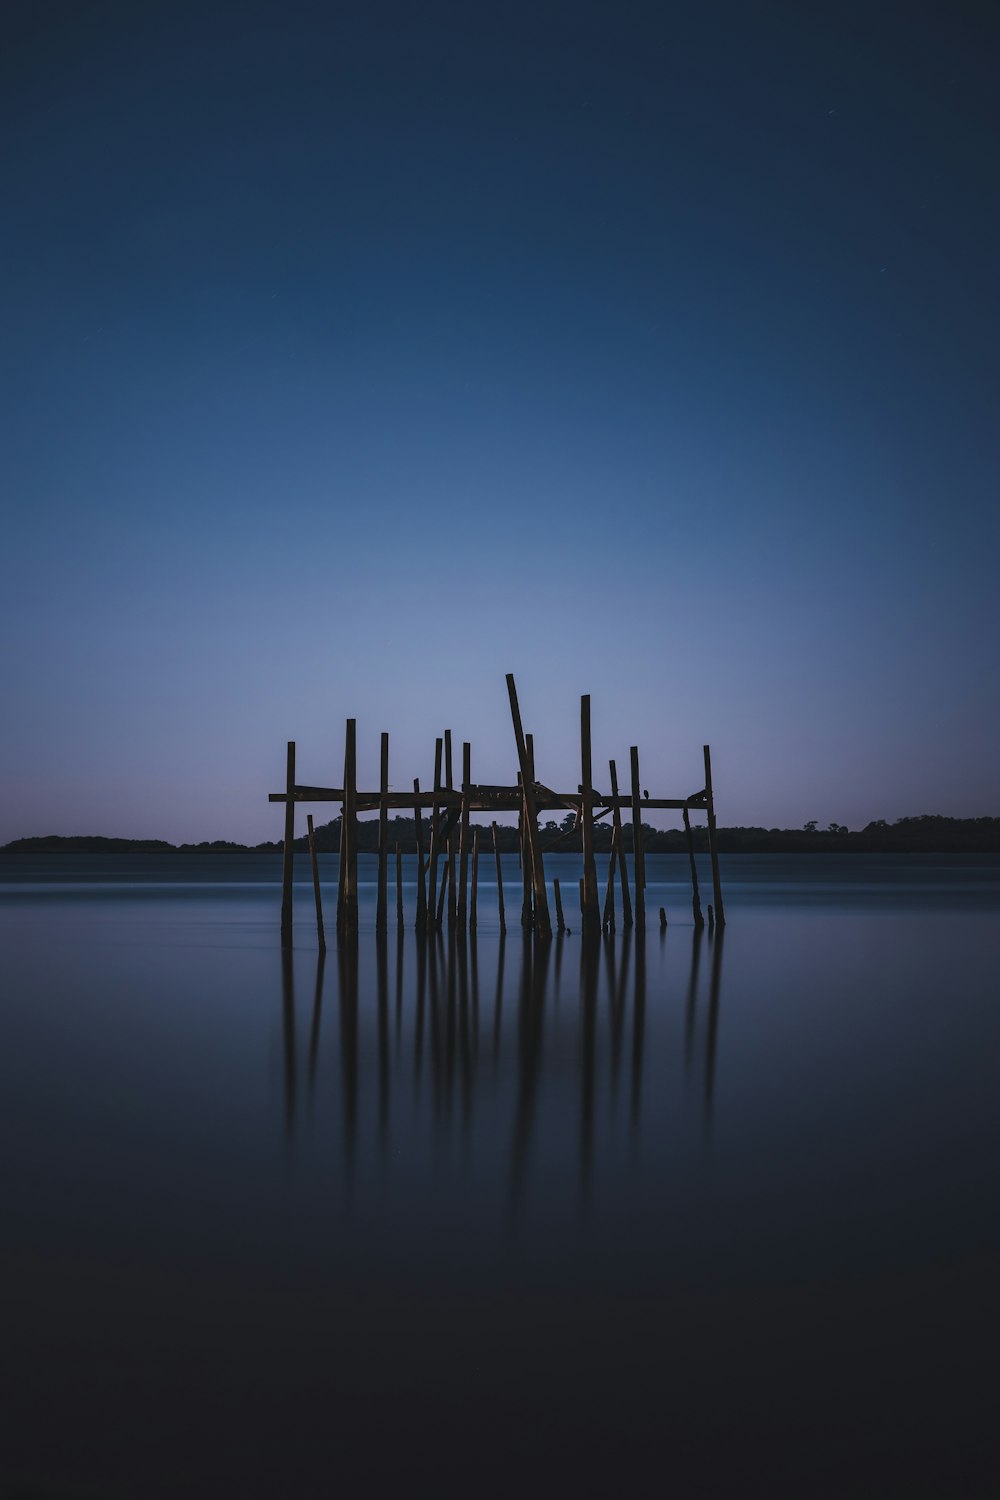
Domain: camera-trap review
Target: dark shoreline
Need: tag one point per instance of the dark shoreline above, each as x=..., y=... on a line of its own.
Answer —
x=920, y=835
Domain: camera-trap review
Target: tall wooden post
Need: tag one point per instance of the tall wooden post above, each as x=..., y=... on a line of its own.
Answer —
x=720, y=913
x=463, y=856
x=418, y=828
x=350, y=914
x=638, y=860
x=699, y=920
x=543, y=924
x=524, y=860
x=560, y=919
x=618, y=838
x=435, y=838
x=381, y=911
x=288, y=855
x=450, y=784
x=496, y=856
x=474, y=897
x=591, y=901
x=316, y=891
x=609, y=894
x=341, y=871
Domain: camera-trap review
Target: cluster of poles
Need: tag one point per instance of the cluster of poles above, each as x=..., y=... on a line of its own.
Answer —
x=452, y=840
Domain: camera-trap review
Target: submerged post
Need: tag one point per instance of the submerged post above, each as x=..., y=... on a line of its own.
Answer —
x=637, y=855
x=496, y=856
x=591, y=906
x=543, y=923
x=463, y=847
x=418, y=829
x=316, y=891
x=381, y=914
x=608, y=920
x=699, y=920
x=618, y=838
x=560, y=920
x=435, y=838
x=720, y=914
x=449, y=783
x=288, y=855
x=350, y=831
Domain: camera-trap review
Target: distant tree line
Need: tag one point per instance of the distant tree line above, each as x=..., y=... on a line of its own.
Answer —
x=925, y=834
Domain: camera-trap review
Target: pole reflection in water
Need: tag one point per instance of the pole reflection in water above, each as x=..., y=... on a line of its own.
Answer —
x=515, y=1119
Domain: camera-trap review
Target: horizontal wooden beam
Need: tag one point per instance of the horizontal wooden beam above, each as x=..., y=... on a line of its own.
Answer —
x=484, y=799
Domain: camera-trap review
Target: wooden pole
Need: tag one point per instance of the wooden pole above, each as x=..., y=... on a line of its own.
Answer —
x=560, y=920
x=449, y=783
x=699, y=920
x=619, y=838
x=351, y=827
x=591, y=905
x=474, y=898
x=663, y=919
x=381, y=912
x=341, y=872
x=315, y=874
x=435, y=838
x=288, y=853
x=609, y=894
x=640, y=868
x=543, y=924
x=720, y=912
x=418, y=829
x=399, y=887
x=496, y=856
x=524, y=859
x=463, y=858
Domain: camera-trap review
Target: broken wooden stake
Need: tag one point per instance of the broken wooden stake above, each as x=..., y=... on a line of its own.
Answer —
x=321, y=935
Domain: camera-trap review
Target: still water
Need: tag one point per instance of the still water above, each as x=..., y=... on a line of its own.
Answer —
x=710, y=1214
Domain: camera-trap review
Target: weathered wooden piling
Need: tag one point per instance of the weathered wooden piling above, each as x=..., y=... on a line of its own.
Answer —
x=663, y=919
x=399, y=887
x=474, y=896
x=341, y=872
x=618, y=838
x=381, y=910
x=288, y=852
x=450, y=785
x=543, y=924
x=608, y=920
x=350, y=815
x=463, y=848
x=591, y=901
x=720, y=913
x=435, y=838
x=699, y=920
x=321, y=935
x=496, y=856
x=560, y=920
x=637, y=851
x=418, y=830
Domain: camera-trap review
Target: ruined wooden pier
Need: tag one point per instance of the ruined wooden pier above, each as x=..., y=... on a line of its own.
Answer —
x=450, y=809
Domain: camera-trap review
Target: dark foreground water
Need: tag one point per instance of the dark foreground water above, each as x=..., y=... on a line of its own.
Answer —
x=702, y=1217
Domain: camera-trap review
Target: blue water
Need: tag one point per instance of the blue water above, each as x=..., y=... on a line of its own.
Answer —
x=711, y=1213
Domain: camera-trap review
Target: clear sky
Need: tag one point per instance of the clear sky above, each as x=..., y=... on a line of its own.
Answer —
x=355, y=354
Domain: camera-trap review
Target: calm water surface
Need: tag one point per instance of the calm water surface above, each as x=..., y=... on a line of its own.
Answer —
x=710, y=1215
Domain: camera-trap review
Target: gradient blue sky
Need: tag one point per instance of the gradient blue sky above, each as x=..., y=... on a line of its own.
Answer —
x=354, y=355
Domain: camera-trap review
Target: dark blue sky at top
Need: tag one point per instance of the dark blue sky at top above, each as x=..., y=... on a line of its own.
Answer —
x=354, y=355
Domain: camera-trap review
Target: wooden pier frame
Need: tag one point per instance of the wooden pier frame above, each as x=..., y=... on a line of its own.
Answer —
x=450, y=813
